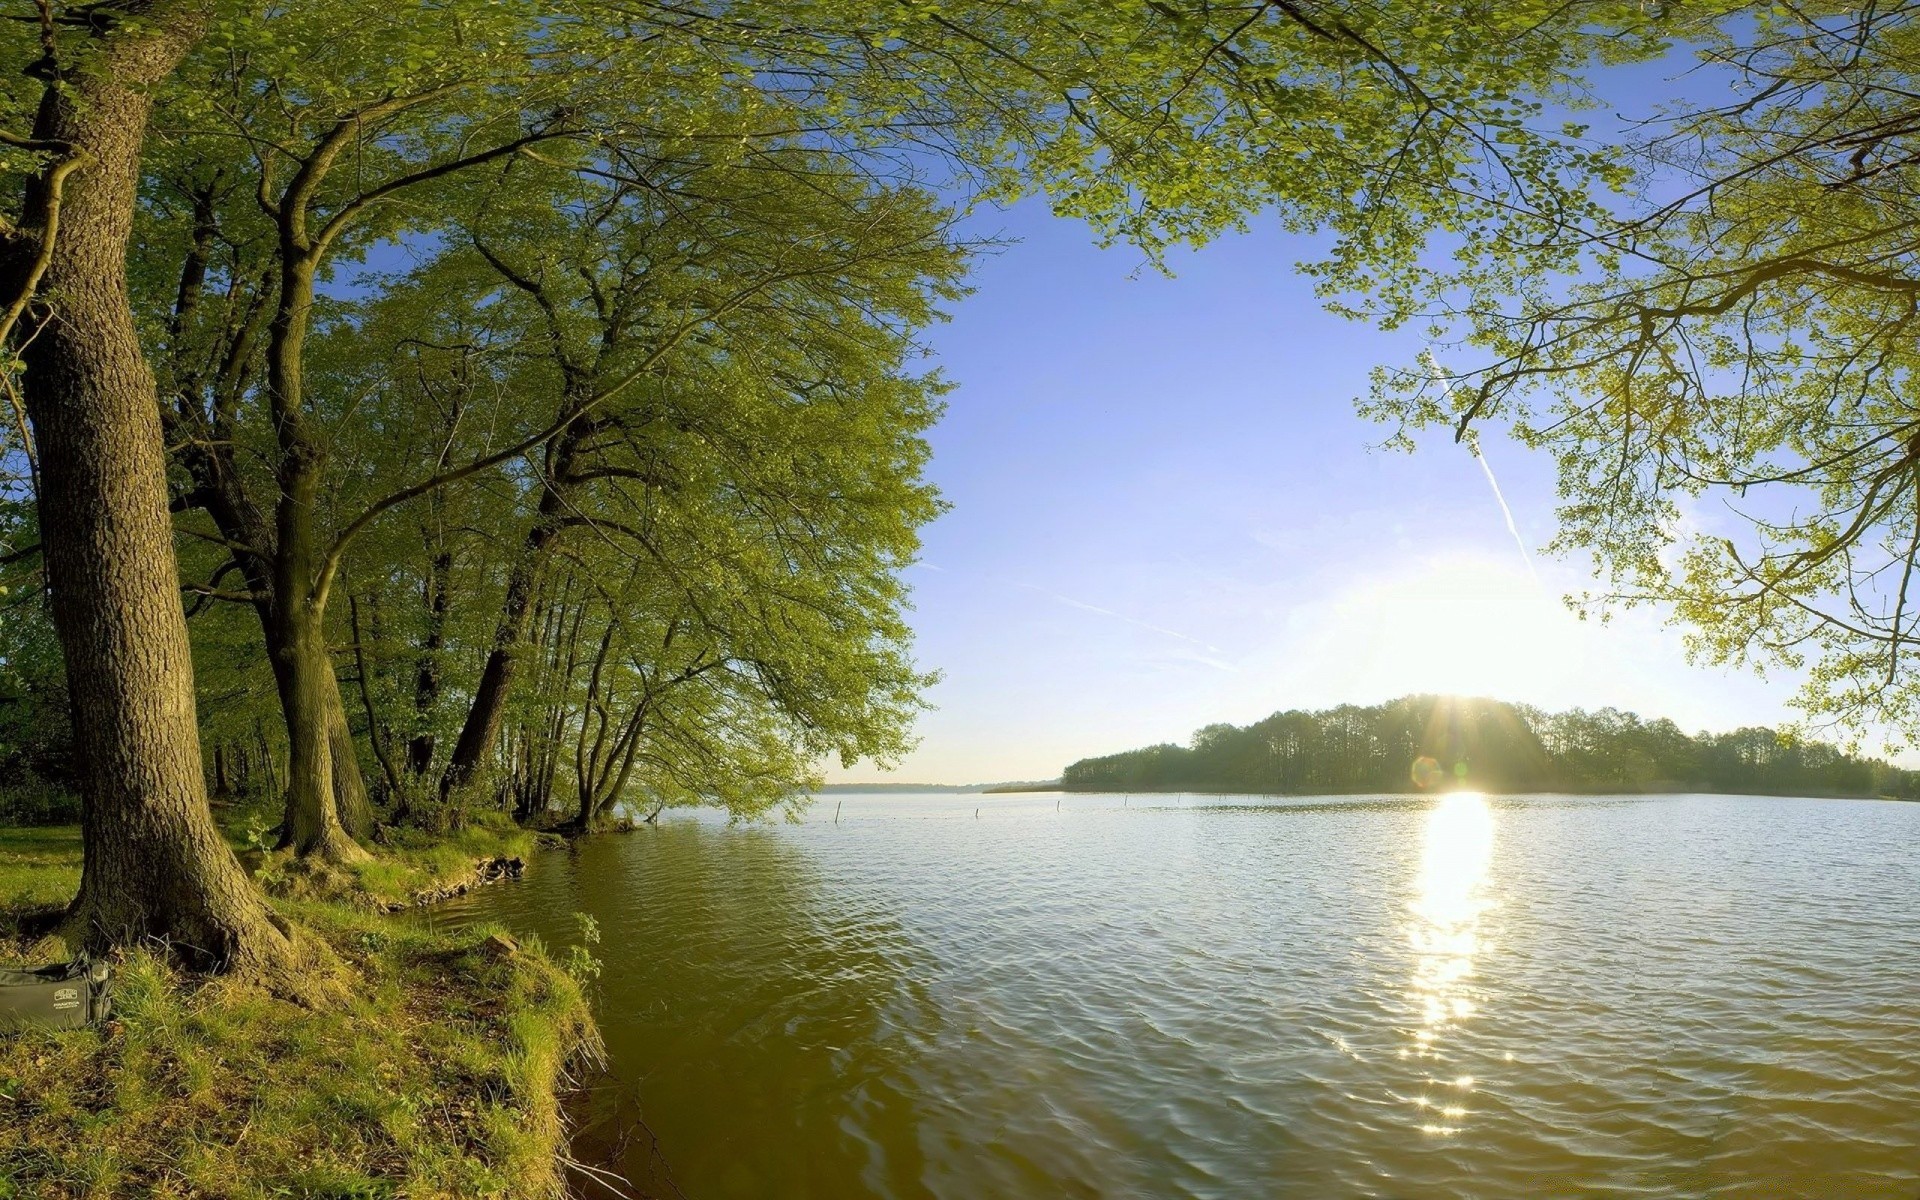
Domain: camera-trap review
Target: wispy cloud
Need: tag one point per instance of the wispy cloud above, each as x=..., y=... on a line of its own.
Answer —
x=1070, y=602
x=1082, y=605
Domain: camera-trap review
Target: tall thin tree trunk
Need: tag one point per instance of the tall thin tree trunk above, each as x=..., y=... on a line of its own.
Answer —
x=481, y=729
x=309, y=697
x=309, y=691
x=436, y=593
x=482, y=726
x=155, y=865
x=268, y=773
x=350, y=796
x=377, y=732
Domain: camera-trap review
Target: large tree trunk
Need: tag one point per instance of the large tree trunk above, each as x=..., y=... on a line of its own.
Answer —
x=154, y=865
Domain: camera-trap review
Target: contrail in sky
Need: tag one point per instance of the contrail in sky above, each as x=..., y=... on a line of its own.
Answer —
x=1486, y=468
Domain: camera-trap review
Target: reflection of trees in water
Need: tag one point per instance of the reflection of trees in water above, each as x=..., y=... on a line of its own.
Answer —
x=758, y=1016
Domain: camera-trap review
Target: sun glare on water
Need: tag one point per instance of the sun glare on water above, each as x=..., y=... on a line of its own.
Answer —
x=1450, y=896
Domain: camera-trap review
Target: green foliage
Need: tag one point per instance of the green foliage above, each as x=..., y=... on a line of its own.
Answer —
x=36, y=741
x=38, y=801
x=667, y=268
x=611, y=370
x=1721, y=361
x=1423, y=742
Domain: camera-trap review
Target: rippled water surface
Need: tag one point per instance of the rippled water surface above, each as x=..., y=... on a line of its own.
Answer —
x=1317, y=997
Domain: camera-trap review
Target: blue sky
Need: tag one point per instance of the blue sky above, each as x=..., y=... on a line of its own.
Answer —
x=1166, y=514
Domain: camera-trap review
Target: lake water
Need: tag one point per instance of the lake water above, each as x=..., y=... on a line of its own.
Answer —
x=1166, y=996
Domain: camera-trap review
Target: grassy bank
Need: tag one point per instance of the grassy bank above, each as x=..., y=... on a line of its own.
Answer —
x=437, y=1077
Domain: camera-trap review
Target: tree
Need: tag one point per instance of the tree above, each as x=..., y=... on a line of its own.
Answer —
x=560, y=94
x=1722, y=361
x=785, y=251
x=791, y=417
x=356, y=120
x=154, y=864
x=758, y=491
x=395, y=97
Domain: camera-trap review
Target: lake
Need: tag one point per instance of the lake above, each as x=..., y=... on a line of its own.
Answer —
x=967, y=996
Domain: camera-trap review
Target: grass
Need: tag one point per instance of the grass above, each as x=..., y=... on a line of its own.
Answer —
x=39, y=870
x=414, y=864
x=439, y=1077
x=412, y=868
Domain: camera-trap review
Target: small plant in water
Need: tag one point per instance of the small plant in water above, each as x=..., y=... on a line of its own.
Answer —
x=580, y=961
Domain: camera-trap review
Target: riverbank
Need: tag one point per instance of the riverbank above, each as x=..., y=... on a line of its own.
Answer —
x=438, y=1075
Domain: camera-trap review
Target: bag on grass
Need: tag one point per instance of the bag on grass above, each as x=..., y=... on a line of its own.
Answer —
x=64, y=996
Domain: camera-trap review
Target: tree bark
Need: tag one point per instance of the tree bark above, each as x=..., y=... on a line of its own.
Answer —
x=308, y=695
x=155, y=865
x=217, y=489
x=309, y=690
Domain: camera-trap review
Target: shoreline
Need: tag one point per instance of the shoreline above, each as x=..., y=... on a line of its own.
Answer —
x=440, y=1072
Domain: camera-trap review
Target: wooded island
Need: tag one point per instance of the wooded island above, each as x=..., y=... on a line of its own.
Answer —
x=1433, y=743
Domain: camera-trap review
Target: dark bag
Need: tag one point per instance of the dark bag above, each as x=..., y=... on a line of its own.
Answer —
x=66, y=996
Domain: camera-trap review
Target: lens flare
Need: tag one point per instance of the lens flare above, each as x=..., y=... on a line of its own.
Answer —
x=1427, y=772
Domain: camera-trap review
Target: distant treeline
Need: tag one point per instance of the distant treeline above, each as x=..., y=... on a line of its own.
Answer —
x=1435, y=742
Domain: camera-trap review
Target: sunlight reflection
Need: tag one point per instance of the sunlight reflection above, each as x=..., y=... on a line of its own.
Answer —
x=1445, y=932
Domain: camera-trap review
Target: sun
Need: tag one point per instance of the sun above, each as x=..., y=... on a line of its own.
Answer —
x=1460, y=625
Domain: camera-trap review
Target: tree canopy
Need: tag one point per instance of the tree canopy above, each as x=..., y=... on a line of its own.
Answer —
x=1720, y=361
x=541, y=380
